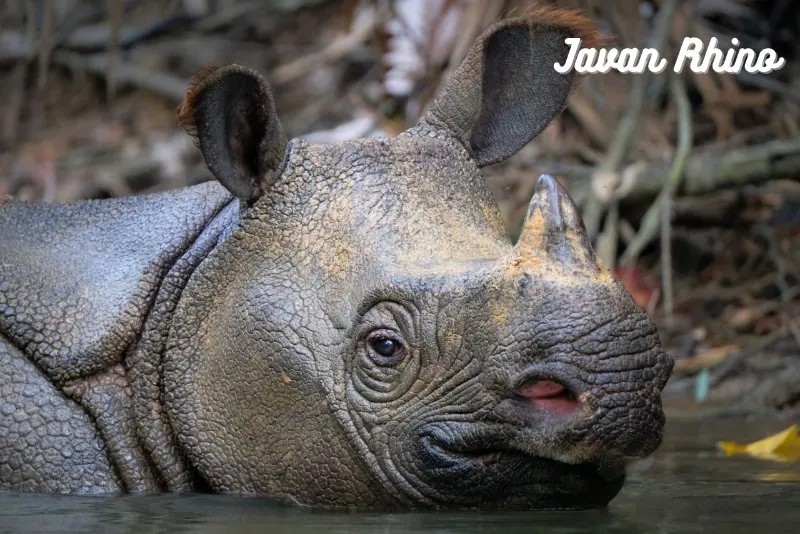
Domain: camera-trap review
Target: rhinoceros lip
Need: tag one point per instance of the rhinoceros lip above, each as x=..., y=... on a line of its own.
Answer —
x=496, y=477
x=546, y=372
x=492, y=447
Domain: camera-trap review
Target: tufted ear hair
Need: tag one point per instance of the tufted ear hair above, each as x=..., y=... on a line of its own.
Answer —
x=507, y=90
x=231, y=114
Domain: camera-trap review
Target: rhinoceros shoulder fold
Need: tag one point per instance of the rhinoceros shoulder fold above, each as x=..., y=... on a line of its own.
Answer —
x=77, y=279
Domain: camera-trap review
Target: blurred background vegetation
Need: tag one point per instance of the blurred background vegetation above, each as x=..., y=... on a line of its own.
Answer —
x=688, y=184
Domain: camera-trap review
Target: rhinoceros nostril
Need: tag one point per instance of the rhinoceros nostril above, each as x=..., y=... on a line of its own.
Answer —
x=551, y=397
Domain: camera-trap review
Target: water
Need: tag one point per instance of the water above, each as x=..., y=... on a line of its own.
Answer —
x=686, y=487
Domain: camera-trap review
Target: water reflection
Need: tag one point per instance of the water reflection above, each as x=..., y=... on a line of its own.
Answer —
x=779, y=477
x=212, y=514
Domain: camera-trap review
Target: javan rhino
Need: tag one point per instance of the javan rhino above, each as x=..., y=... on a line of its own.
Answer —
x=342, y=326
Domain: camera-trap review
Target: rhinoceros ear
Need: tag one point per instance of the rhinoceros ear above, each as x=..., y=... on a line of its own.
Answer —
x=231, y=114
x=507, y=90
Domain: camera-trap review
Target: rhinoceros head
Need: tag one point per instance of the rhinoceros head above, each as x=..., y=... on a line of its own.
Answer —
x=368, y=336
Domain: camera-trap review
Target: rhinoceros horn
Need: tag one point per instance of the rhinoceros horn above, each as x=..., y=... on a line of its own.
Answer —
x=553, y=227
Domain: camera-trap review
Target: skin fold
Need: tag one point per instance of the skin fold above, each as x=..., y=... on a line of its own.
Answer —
x=340, y=326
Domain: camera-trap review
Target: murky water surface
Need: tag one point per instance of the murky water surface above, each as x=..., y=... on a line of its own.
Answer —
x=686, y=487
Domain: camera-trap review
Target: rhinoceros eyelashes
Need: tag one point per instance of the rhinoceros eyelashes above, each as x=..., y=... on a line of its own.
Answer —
x=385, y=348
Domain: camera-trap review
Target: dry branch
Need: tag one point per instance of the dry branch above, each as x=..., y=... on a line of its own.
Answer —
x=125, y=73
x=705, y=172
x=653, y=217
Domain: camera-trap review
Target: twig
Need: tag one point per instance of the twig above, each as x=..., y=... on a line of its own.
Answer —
x=17, y=78
x=116, y=11
x=742, y=138
x=666, y=251
x=225, y=16
x=623, y=140
x=97, y=38
x=650, y=222
x=30, y=28
x=721, y=294
x=15, y=95
x=45, y=44
x=619, y=149
x=589, y=118
x=607, y=240
x=363, y=27
x=771, y=306
x=16, y=45
x=165, y=84
x=787, y=295
x=706, y=172
x=768, y=84
x=734, y=360
x=237, y=10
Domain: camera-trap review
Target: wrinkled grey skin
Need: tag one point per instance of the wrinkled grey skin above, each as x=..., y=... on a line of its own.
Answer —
x=229, y=338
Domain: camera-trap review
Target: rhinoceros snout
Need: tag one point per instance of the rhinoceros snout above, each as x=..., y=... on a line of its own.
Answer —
x=582, y=380
x=609, y=410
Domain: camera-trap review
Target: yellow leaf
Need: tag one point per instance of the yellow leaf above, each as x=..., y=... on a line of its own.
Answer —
x=783, y=447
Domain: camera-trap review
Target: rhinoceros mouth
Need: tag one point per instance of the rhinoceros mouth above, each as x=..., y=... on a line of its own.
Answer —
x=545, y=390
x=443, y=453
x=491, y=473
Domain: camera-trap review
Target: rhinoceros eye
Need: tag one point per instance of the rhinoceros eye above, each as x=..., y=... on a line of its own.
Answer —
x=386, y=350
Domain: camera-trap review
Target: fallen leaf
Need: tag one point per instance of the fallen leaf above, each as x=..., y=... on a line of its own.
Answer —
x=632, y=277
x=704, y=360
x=766, y=324
x=741, y=318
x=782, y=447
